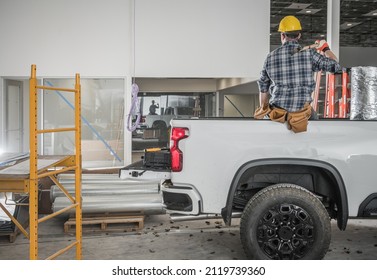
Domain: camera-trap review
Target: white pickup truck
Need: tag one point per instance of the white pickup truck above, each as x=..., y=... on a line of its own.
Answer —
x=168, y=114
x=285, y=186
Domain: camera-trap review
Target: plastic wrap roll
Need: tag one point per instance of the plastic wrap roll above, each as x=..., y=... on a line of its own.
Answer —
x=145, y=203
x=363, y=93
x=111, y=189
x=96, y=179
x=71, y=176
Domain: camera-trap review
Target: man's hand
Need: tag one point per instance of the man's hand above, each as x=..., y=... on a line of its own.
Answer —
x=322, y=46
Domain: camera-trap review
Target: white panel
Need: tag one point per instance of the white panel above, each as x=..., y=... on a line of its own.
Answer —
x=91, y=37
x=175, y=38
x=201, y=38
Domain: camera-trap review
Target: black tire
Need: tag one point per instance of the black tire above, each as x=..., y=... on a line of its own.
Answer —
x=285, y=221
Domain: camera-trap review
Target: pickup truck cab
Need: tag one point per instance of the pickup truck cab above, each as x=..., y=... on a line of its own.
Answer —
x=286, y=187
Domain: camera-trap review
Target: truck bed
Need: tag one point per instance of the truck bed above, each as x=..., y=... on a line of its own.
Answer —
x=218, y=147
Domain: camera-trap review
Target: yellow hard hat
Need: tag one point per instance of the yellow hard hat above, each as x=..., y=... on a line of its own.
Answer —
x=289, y=23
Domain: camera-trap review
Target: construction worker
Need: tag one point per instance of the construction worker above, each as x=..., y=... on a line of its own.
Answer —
x=287, y=79
x=153, y=107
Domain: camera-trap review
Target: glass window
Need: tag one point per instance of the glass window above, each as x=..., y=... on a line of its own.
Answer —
x=102, y=110
x=157, y=112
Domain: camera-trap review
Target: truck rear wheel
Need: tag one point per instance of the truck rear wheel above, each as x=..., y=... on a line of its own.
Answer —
x=285, y=221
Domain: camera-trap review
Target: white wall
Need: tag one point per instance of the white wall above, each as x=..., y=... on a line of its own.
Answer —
x=174, y=38
x=201, y=38
x=91, y=37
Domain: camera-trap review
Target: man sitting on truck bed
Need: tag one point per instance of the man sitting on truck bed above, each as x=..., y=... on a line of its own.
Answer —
x=287, y=78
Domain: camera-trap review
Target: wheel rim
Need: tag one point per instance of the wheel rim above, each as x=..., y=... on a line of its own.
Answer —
x=285, y=231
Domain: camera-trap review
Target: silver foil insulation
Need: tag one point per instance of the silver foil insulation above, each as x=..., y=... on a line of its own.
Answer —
x=106, y=193
x=363, y=93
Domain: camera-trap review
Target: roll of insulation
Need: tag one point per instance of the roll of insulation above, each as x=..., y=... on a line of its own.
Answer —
x=71, y=176
x=363, y=93
x=99, y=190
x=116, y=181
x=145, y=203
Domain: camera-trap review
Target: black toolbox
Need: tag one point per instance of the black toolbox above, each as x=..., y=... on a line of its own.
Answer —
x=157, y=158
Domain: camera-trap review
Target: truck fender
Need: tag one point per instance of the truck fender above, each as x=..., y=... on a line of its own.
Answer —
x=342, y=218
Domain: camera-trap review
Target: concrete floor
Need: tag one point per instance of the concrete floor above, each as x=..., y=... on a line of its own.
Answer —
x=161, y=239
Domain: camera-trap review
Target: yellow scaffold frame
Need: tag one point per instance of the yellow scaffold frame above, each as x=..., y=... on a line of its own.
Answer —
x=55, y=165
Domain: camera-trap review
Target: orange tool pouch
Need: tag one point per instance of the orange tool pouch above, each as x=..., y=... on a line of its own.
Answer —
x=278, y=115
x=298, y=121
x=261, y=112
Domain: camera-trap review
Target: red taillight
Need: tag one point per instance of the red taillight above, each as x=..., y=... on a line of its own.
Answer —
x=177, y=134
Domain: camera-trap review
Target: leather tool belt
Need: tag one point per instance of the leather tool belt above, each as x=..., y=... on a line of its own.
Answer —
x=296, y=121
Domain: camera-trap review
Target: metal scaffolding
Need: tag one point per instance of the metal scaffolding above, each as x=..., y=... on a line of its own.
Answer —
x=23, y=177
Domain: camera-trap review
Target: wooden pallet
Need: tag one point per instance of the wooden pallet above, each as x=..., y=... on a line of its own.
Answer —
x=106, y=223
x=12, y=235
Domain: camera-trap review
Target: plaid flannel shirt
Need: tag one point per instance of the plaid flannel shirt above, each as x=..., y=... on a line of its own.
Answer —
x=289, y=76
